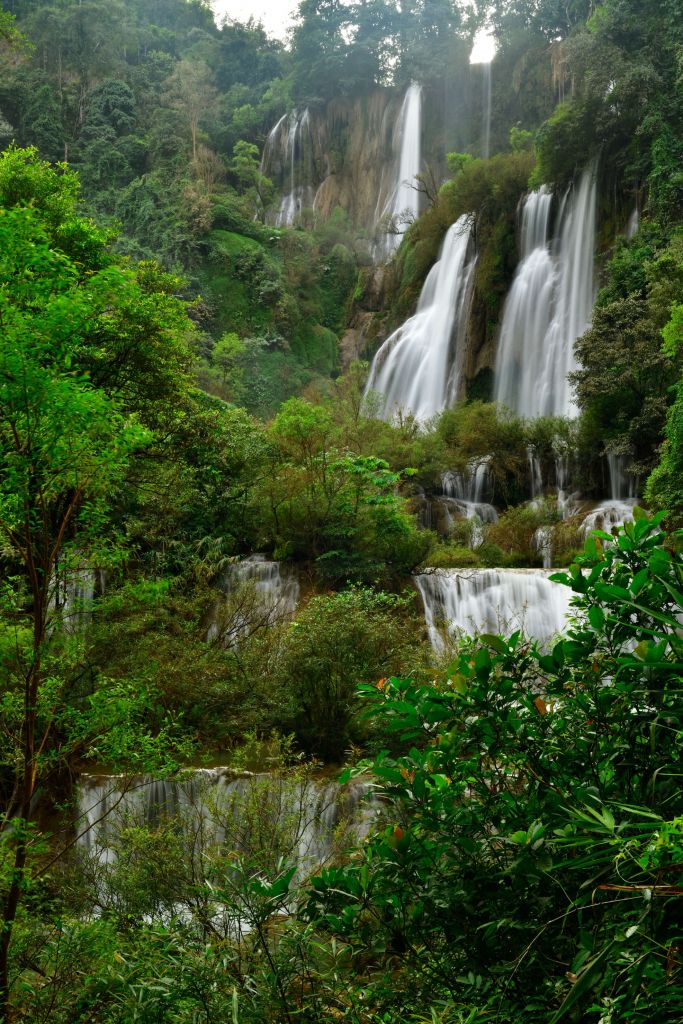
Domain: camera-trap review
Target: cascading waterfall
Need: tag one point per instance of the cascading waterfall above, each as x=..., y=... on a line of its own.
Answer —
x=613, y=513
x=622, y=485
x=417, y=370
x=633, y=224
x=72, y=593
x=217, y=803
x=491, y=601
x=270, y=592
x=403, y=203
x=277, y=586
x=550, y=303
x=463, y=494
x=290, y=144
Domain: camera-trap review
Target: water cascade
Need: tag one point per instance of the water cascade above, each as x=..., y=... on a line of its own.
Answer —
x=289, y=146
x=491, y=601
x=463, y=494
x=72, y=592
x=266, y=592
x=418, y=368
x=302, y=816
x=403, y=203
x=550, y=303
x=633, y=224
x=612, y=514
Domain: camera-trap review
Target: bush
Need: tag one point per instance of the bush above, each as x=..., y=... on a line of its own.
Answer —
x=535, y=809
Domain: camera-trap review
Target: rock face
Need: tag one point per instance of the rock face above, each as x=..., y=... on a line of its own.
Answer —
x=345, y=156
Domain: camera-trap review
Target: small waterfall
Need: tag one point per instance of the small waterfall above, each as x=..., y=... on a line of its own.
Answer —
x=464, y=493
x=470, y=486
x=403, y=203
x=491, y=601
x=543, y=544
x=610, y=515
x=72, y=593
x=299, y=818
x=288, y=154
x=535, y=475
x=621, y=484
x=417, y=370
x=270, y=593
x=633, y=223
x=550, y=303
x=486, y=137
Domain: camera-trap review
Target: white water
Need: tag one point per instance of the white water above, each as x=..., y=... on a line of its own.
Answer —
x=491, y=601
x=622, y=485
x=616, y=510
x=550, y=303
x=609, y=516
x=72, y=592
x=290, y=144
x=463, y=495
x=267, y=592
x=403, y=204
x=417, y=370
x=300, y=818
x=633, y=223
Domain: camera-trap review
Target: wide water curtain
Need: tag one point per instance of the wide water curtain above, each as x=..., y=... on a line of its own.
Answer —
x=417, y=370
x=550, y=303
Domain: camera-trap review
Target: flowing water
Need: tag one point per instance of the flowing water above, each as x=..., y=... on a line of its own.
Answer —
x=463, y=495
x=622, y=485
x=633, y=224
x=289, y=147
x=609, y=516
x=259, y=593
x=298, y=818
x=550, y=303
x=417, y=370
x=491, y=601
x=613, y=512
x=403, y=203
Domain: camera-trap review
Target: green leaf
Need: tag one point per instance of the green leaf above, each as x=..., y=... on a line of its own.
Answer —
x=584, y=983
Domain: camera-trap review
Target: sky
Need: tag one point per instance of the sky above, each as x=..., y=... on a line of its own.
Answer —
x=277, y=16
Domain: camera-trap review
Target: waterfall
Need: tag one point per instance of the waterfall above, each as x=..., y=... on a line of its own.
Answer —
x=300, y=817
x=470, y=486
x=72, y=592
x=543, y=544
x=608, y=517
x=268, y=592
x=633, y=223
x=289, y=151
x=621, y=484
x=486, y=139
x=535, y=475
x=403, y=204
x=491, y=601
x=550, y=303
x=618, y=509
x=464, y=493
x=417, y=370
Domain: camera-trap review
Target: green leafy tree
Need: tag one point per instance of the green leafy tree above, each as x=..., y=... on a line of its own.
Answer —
x=258, y=190
x=534, y=808
x=68, y=434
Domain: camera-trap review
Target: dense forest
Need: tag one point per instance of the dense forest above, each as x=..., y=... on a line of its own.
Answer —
x=341, y=513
